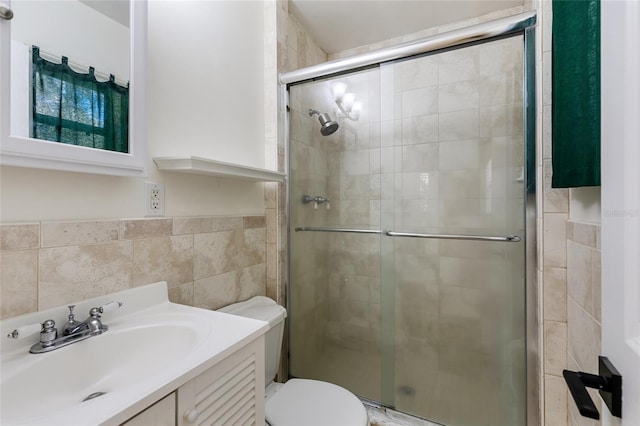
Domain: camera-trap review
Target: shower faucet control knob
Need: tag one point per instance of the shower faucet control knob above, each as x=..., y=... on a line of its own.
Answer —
x=316, y=200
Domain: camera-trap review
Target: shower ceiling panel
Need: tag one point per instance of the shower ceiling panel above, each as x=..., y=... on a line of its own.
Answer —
x=344, y=24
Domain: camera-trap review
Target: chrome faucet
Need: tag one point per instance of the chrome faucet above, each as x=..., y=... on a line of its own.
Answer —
x=73, y=331
x=92, y=325
x=72, y=326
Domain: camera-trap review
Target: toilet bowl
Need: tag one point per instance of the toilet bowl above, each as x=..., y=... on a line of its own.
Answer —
x=299, y=402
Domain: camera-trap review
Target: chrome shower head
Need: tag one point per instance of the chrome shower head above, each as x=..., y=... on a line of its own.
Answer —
x=328, y=125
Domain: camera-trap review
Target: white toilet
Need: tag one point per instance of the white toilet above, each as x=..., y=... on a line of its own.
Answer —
x=299, y=402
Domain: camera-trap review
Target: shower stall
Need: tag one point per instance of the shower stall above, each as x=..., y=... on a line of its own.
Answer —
x=411, y=189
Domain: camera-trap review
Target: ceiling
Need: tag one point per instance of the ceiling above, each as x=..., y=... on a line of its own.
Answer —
x=338, y=25
x=118, y=10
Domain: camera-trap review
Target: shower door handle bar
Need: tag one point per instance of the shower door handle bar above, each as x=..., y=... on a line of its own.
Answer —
x=508, y=238
x=347, y=230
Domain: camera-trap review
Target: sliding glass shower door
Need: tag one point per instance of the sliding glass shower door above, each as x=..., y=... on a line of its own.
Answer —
x=334, y=184
x=407, y=269
x=459, y=303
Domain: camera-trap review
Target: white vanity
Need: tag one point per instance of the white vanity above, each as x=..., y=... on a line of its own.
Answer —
x=159, y=363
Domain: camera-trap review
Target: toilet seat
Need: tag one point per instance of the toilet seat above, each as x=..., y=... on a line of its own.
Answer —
x=302, y=402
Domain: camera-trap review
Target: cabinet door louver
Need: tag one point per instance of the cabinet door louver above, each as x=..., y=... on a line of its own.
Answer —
x=225, y=394
x=230, y=398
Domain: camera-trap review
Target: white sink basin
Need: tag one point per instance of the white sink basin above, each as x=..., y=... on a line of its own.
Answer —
x=99, y=364
x=145, y=351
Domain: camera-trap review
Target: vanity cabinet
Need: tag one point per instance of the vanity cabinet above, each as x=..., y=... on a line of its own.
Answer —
x=230, y=392
x=162, y=413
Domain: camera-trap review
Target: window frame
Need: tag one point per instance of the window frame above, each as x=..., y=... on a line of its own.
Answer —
x=28, y=152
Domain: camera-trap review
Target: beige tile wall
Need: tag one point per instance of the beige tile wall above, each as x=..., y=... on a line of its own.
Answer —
x=294, y=48
x=583, y=334
x=569, y=268
x=207, y=261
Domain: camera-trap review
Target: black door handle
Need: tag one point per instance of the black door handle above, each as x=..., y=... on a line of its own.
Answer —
x=577, y=383
x=609, y=382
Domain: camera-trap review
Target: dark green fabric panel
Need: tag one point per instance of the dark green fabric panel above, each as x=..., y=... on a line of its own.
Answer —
x=76, y=108
x=576, y=93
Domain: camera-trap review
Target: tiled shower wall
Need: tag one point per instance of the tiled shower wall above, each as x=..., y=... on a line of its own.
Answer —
x=583, y=308
x=207, y=261
x=569, y=265
x=288, y=46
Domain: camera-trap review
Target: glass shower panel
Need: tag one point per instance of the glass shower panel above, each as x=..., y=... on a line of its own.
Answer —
x=458, y=159
x=335, y=276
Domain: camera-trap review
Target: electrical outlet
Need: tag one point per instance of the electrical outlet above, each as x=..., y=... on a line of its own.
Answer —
x=153, y=199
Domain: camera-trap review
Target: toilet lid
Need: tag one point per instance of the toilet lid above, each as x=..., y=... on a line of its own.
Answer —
x=302, y=402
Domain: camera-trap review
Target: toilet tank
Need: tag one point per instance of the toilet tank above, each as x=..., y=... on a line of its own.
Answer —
x=265, y=309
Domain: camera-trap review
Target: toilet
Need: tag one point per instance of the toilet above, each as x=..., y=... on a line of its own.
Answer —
x=299, y=402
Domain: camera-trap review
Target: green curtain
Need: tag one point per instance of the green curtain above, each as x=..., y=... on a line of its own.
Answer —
x=77, y=109
x=576, y=93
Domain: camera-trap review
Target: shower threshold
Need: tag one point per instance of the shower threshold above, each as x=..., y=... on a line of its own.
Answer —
x=382, y=416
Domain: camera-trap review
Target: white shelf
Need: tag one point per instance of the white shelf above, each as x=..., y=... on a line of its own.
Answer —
x=205, y=166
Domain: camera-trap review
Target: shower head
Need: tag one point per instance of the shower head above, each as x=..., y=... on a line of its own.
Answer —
x=328, y=125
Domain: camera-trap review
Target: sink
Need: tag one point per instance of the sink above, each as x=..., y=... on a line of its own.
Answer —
x=91, y=381
x=100, y=365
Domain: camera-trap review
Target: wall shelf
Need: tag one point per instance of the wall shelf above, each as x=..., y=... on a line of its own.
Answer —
x=205, y=166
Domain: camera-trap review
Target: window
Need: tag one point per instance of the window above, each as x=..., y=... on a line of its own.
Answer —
x=75, y=108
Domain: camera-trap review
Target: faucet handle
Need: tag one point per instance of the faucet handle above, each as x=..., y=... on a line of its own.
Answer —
x=111, y=306
x=94, y=323
x=108, y=307
x=71, y=315
x=71, y=325
x=49, y=333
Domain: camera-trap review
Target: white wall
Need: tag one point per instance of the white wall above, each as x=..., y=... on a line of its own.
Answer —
x=75, y=30
x=217, y=59
x=207, y=96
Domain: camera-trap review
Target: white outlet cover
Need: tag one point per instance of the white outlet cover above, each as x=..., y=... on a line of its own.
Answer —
x=153, y=199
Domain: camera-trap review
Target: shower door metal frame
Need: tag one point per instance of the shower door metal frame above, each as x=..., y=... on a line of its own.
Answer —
x=521, y=24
